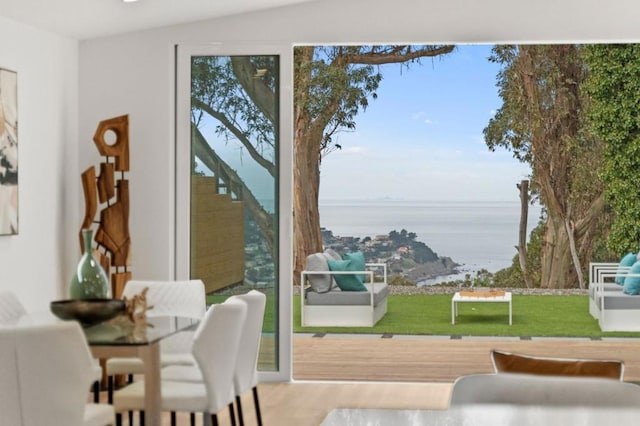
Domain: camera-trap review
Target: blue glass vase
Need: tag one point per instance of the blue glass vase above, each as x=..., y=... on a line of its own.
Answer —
x=89, y=280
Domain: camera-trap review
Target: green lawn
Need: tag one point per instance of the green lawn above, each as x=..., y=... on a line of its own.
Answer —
x=539, y=315
x=431, y=315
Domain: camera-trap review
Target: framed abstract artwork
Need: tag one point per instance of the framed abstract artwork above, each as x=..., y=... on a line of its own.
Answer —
x=8, y=152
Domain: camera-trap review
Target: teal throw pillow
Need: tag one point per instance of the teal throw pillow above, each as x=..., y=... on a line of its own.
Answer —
x=631, y=283
x=346, y=282
x=357, y=258
x=628, y=260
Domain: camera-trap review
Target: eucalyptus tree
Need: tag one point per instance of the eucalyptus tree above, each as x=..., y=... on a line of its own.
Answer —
x=542, y=122
x=332, y=84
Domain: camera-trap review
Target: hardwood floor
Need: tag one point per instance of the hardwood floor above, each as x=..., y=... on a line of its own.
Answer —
x=400, y=372
x=307, y=403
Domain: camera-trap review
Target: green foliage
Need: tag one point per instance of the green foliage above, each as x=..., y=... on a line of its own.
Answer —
x=542, y=121
x=333, y=84
x=421, y=252
x=507, y=129
x=400, y=280
x=614, y=87
x=271, y=309
x=483, y=278
x=511, y=277
x=217, y=92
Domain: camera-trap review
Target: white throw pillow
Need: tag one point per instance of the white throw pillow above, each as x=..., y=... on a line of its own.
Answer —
x=320, y=283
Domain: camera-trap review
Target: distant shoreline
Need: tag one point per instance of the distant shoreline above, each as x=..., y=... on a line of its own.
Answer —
x=475, y=234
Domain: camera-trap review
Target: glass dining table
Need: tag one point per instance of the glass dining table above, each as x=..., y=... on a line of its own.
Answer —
x=119, y=339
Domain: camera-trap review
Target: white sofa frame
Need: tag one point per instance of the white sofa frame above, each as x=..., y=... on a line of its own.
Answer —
x=611, y=319
x=343, y=315
x=599, y=276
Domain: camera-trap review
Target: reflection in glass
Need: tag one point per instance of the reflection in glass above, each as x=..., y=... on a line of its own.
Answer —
x=234, y=151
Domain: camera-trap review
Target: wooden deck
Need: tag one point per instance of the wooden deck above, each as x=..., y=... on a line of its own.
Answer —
x=438, y=359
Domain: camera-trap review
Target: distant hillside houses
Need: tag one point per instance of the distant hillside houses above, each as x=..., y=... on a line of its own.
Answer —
x=403, y=254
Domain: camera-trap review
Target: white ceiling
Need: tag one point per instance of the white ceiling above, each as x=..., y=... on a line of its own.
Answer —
x=83, y=19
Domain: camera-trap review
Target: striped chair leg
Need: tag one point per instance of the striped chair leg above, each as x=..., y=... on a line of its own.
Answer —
x=118, y=419
x=239, y=406
x=96, y=391
x=256, y=402
x=192, y=419
x=141, y=418
x=131, y=418
x=214, y=420
x=110, y=390
x=232, y=415
x=173, y=418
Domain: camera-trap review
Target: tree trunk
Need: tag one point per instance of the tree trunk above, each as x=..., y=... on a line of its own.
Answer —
x=522, y=237
x=556, y=265
x=307, y=237
x=570, y=230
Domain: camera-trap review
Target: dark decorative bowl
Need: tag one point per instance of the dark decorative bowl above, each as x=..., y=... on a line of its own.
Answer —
x=88, y=311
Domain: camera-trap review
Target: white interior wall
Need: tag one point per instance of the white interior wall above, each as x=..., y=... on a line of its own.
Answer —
x=35, y=263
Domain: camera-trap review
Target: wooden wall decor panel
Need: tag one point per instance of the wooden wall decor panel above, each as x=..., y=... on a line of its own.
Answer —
x=103, y=260
x=106, y=182
x=113, y=232
x=88, y=179
x=113, y=225
x=120, y=147
x=118, y=280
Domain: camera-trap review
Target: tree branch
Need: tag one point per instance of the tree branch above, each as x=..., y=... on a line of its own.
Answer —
x=397, y=54
x=253, y=152
x=261, y=95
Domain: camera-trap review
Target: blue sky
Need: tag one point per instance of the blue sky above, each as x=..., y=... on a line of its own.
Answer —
x=422, y=138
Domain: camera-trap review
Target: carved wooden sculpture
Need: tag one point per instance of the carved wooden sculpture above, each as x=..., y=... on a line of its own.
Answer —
x=113, y=225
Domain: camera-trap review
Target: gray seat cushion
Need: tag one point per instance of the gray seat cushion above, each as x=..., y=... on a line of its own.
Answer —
x=619, y=300
x=607, y=287
x=338, y=297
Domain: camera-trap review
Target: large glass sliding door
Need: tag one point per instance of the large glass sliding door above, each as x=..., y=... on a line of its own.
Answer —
x=229, y=146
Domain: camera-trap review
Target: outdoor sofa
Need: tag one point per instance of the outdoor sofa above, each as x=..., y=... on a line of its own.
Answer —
x=614, y=295
x=324, y=304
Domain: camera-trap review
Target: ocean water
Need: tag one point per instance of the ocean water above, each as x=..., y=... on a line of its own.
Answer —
x=475, y=234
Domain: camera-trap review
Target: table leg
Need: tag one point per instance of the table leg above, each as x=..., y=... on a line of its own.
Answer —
x=152, y=395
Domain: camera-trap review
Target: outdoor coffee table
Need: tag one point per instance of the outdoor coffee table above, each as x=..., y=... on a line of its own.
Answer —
x=487, y=297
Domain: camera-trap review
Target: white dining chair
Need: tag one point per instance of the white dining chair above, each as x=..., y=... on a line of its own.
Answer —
x=172, y=298
x=215, y=349
x=11, y=310
x=530, y=389
x=246, y=374
x=54, y=371
x=9, y=398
